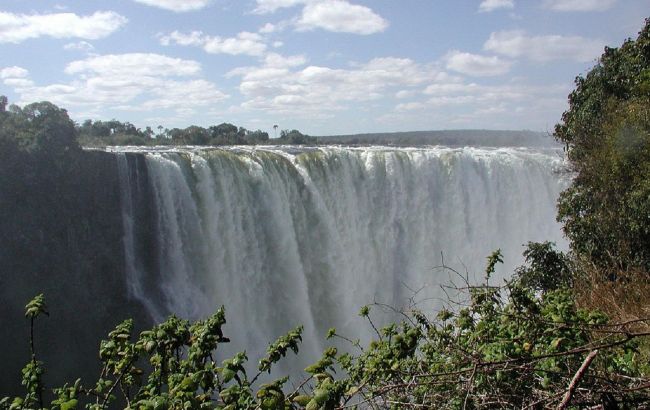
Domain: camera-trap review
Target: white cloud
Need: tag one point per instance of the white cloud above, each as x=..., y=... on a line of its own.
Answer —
x=476, y=65
x=18, y=83
x=268, y=28
x=194, y=38
x=277, y=60
x=13, y=72
x=411, y=106
x=15, y=28
x=315, y=90
x=131, y=82
x=486, y=95
x=270, y=6
x=176, y=5
x=491, y=5
x=469, y=104
x=543, y=48
x=404, y=94
x=340, y=16
x=136, y=64
x=244, y=43
x=578, y=5
x=79, y=46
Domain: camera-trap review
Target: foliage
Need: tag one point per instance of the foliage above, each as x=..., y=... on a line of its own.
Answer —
x=502, y=346
x=547, y=268
x=113, y=132
x=40, y=127
x=607, y=135
x=295, y=137
x=505, y=347
x=170, y=366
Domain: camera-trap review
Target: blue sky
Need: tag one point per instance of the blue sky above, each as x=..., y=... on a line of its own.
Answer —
x=321, y=66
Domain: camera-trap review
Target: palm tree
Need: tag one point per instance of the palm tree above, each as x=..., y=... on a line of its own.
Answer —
x=275, y=128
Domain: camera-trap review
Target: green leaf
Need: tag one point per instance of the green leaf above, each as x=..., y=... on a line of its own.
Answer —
x=35, y=307
x=302, y=400
x=227, y=374
x=70, y=404
x=331, y=332
x=365, y=310
x=321, y=395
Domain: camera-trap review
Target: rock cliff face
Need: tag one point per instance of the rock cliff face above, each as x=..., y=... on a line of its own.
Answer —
x=61, y=235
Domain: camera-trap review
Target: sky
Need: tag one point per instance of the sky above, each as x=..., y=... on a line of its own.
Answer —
x=323, y=67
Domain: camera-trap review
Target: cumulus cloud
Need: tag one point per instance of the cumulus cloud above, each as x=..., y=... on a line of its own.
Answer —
x=15, y=28
x=340, y=16
x=13, y=72
x=277, y=60
x=268, y=28
x=194, y=38
x=491, y=5
x=137, y=64
x=401, y=94
x=79, y=46
x=578, y=5
x=244, y=43
x=472, y=104
x=543, y=48
x=476, y=65
x=473, y=93
x=282, y=85
x=410, y=106
x=270, y=6
x=176, y=5
x=137, y=81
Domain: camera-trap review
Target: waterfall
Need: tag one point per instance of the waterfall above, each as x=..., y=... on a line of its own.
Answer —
x=286, y=236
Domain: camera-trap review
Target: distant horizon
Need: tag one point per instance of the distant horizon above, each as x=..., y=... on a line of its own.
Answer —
x=433, y=130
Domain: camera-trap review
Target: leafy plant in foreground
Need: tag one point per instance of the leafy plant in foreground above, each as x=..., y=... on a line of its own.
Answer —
x=513, y=346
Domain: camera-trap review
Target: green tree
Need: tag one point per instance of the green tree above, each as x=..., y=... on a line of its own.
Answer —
x=295, y=137
x=606, y=131
x=39, y=127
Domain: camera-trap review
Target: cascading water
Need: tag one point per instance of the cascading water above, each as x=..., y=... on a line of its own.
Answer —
x=283, y=237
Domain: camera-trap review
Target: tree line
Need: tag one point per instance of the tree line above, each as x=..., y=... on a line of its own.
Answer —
x=44, y=125
x=113, y=132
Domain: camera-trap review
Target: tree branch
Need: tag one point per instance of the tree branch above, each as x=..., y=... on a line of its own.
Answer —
x=576, y=379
